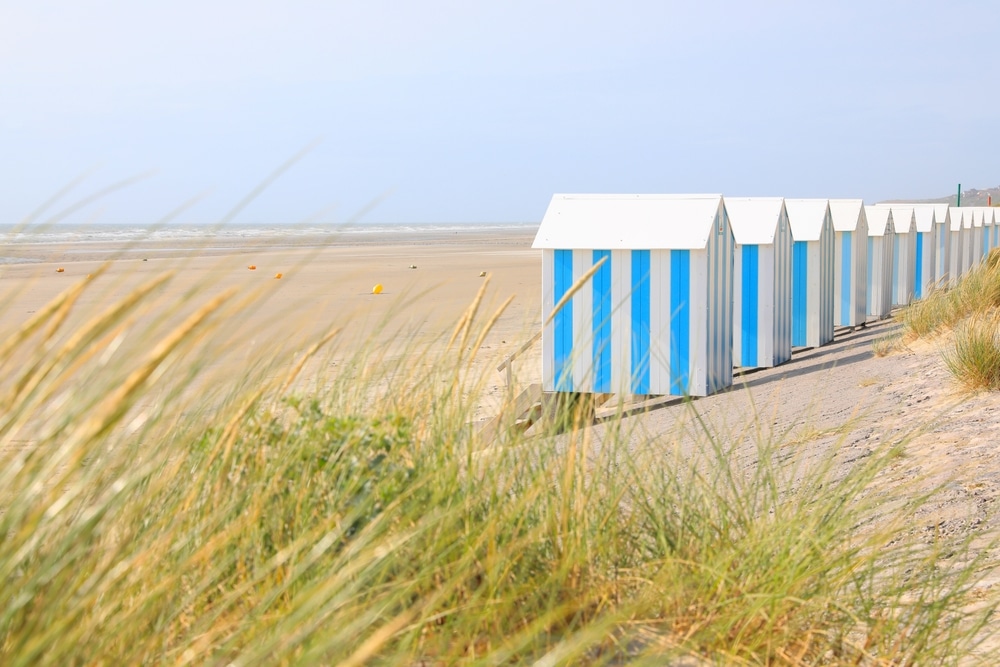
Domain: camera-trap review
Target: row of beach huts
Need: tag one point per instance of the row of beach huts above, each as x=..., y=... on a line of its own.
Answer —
x=690, y=286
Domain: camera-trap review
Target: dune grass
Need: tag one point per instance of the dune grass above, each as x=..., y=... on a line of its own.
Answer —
x=148, y=520
x=968, y=312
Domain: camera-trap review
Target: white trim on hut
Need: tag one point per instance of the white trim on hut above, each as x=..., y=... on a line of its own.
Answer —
x=904, y=250
x=956, y=257
x=762, y=281
x=656, y=317
x=942, y=243
x=880, y=245
x=850, y=278
x=812, y=271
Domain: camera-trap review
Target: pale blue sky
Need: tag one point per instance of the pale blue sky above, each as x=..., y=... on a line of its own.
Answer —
x=466, y=111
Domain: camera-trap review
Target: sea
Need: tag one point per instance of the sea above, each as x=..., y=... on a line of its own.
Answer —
x=13, y=237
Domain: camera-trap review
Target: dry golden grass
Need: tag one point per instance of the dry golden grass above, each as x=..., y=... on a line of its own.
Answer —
x=155, y=516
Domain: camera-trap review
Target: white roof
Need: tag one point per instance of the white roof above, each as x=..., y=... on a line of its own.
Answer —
x=924, y=214
x=879, y=219
x=902, y=217
x=957, y=216
x=846, y=213
x=991, y=215
x=968, y=217
x=628, y=222
x=754, y=219
x=806, y=217
x=987, y=214
x=940, y=213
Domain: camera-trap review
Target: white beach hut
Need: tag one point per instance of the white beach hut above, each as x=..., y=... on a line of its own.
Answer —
x=942, y=243
x=969, y=240
x=812, y=271
x=762, y=281
x=989, y=223
x=925, y=251
x=978, y=232
x=996, y=227
x=880, y=246
x=850, y=277
x=957, y=258
x=656, y=317
x=904, y=250
x=985, y=214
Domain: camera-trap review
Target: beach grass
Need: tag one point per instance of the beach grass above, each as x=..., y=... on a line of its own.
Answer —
x=153, y=513
x=967, y=313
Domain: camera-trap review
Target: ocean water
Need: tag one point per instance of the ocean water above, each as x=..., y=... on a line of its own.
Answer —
x=109, y=233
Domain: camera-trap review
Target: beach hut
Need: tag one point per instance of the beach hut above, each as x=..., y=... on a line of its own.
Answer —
x=880, y=247
x=978, y=229
x=762, y=281
x=942, y=243
x=996, y=227
x=850, y=277
x=656, y=317
x=968, y=240
x=812, y=271
x=904, y=250
x=925, y=250
x=959, y=239
x=986, y=218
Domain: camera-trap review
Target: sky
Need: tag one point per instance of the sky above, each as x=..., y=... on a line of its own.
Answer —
x=454, y=111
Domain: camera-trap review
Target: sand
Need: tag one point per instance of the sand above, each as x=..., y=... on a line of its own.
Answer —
x=326, y=284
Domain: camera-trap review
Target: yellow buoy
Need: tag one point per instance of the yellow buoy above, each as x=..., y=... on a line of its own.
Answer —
x=252, y=267
x=60, y=270
x=277, y=276
x=377, y=289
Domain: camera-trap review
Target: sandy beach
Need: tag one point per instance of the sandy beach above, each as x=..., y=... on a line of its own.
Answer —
x=326, y=283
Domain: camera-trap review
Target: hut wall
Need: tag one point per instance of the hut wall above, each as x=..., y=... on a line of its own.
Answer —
x=942, y=252
x=925, y=253
x=850, y=278
x=904, y=249
x=762, y=324
x=880, y=275
x=812, y=290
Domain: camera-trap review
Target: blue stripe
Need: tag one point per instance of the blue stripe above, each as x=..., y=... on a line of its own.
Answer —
x=563, y=322
x=845, y=280
x=918, y=288
x=602, y=322
x=680, y=321
x=800, y=292
x=749, y=313
x=640, y=322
